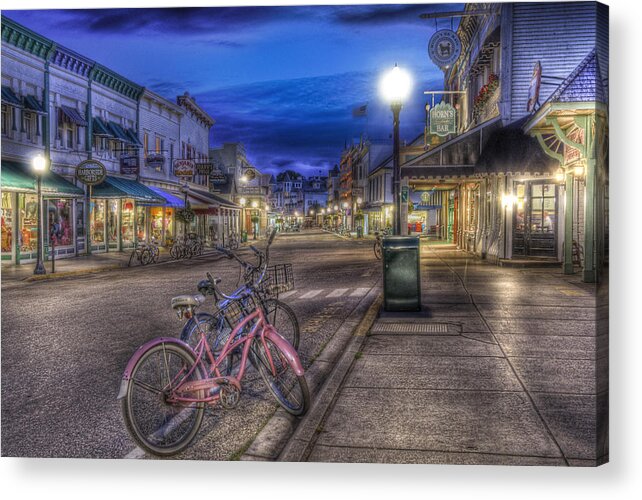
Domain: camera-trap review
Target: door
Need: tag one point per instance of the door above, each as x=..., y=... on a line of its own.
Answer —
x=535, y=219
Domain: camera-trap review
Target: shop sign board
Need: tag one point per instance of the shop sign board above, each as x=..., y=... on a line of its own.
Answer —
x=155, y=161
x=204, y=168
x=91, y=172
x=533, y=90
x=404, y=194
x=444, y=48
x=217, y=177
x=129, y=164
x=250, y=173
x=443, y=119
x=184, y=168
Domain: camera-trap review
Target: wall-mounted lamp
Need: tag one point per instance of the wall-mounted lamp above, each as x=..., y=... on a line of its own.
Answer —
x=578, y=170
x=559, y=175
x=507, y=199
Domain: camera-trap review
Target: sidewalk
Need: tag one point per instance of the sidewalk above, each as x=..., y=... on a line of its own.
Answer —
x=499, y=369
x=84, y=264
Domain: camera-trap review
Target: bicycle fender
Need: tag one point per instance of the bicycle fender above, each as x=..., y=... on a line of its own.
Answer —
x=124, y=382
x=286, y=348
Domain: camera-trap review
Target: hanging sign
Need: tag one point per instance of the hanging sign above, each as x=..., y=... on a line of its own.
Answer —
x=155, y=161
x=533, y=90
x=129, y=164
x=91, y=172
x=444, y=48
x=203, y=168
x=250, y=173
x=443, y=119
x=184, y=168
x=217, y=177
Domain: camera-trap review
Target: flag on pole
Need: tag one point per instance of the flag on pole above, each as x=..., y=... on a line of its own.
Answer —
x=360, y=111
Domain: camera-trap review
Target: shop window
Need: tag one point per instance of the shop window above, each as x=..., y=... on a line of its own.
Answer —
x=127, y=223
x=141, y=226
x=80, y=218
x=6, y=119
x=28, y=235
x=112, y=223
x=7, y=222
x=145, y=144
x=97, y=221
x=30, y=126
x=59, y=217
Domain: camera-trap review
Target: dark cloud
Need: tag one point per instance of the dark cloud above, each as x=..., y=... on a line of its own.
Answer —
x=304, y=123
x=380, y=14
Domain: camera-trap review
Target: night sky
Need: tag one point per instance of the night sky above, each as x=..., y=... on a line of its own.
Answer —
x=282, y=80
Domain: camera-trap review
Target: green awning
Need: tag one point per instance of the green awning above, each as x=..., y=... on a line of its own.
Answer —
x=30, y=102
x=17, y=176
x=119, y=187
x=14, y=178
x=134, y=138
x=9, y=97
x=73, y=115
x=101, y=128
x=119, y=132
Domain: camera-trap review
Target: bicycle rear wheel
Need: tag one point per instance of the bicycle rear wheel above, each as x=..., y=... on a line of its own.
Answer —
x=146, y=257
x=377, y=250
x=159, y=427
x=289, y=389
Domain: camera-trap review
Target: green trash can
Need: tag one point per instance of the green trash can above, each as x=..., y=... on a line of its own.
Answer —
x=401, y=278
x=244, y=237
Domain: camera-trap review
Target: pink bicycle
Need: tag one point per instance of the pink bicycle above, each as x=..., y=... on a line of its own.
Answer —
x=166, y=384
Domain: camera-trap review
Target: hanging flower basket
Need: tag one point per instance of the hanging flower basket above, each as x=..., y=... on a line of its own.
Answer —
x=185, y=214
x=254, y=219
x=485, y=93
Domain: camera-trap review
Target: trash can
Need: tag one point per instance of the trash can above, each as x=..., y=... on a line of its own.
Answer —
x=401, y=279
x=244, y=236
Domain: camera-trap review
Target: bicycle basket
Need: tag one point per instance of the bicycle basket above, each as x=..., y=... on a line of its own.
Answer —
x=235, y=310
x=278, y=279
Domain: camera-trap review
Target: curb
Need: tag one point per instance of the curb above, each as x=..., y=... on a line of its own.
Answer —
x=286, y=438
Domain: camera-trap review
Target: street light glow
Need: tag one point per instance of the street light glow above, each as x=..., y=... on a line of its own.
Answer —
x=336, y=207
x=255, y=204
x=359, y=201
x=242, y=201
x=39, y=164
x=395, y=85
x=243, y=178
x=345, y=204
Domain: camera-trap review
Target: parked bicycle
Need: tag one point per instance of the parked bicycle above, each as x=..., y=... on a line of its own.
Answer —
x=233, y=241
x=187, y=247
x=145, y=253
x=266, y=282
x=378, y=244
x=166, y=383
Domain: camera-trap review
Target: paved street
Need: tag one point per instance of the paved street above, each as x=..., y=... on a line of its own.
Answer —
x=500, y=369
x=61, y=365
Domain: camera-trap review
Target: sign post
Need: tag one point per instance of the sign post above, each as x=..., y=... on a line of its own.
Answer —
x=90, y=173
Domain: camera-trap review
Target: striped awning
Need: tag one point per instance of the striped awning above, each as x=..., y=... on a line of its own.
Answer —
x=171, y=200
x=134, y=137
x=9, y=97
x=30, y=102
x=73, y=115
x=119, y=132
x=101, y=128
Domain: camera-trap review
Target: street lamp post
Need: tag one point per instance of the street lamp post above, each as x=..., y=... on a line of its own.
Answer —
x=255, y=217
x=395, y=87
x=39, y=166
x=185, y=190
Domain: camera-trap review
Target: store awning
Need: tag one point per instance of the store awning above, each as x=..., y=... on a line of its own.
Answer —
x=16, y=176
x=101, y=128
x=134, y=137
x=30, y=102
x=73, y=116
x=119, y=132
x=119, y=187
x=202, y=197
x=170, y=199
x=9, y=97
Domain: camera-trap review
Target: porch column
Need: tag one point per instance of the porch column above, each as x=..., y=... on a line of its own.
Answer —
x=590, y=271
x=568, y=223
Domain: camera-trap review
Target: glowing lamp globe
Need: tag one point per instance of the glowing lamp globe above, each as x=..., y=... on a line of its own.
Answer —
x=395, y=85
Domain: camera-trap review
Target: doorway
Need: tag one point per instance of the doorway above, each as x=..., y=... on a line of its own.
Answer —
x=535, y=219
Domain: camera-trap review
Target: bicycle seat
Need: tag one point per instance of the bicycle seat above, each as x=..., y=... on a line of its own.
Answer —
x=187, y=301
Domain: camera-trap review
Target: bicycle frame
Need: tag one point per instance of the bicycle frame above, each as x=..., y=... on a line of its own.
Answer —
x=260, y=329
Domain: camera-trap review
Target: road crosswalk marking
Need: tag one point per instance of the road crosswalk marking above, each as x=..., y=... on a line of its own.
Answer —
x=287, y=294
x=329, y=294
x=337, y=292
x=310, y=294
x=359, y=292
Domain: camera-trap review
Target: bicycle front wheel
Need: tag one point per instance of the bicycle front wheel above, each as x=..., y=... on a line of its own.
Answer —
x=146, y=257
x=157, y=426
x=283, y=319
x=289, y=389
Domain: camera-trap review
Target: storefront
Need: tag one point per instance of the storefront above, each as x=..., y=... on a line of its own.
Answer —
x=117, y=214
x=62, y=206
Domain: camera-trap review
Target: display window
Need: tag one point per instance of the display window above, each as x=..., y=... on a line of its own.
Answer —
x=97, y=221
x=80, y=218
x=141, y=224
x=59, y=219
x=156, y=222
x=8, y=214
x=127, y=223
x=169, y=226
x=112, y=223
x=28, y=231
